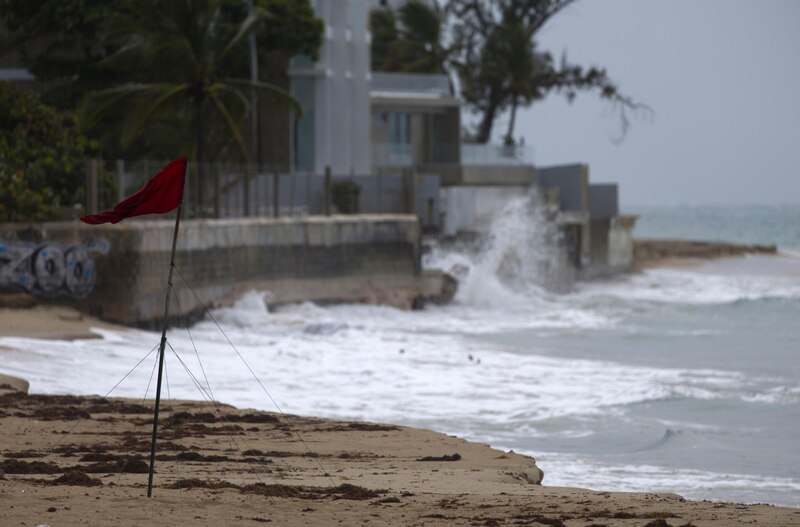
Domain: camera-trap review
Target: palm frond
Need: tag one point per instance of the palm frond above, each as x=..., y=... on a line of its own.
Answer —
x=232, y=124
x=278, y=94
x=143, y=116
x=245, y=28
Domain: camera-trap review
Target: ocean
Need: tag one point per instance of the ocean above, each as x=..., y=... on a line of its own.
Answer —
x=682, y=379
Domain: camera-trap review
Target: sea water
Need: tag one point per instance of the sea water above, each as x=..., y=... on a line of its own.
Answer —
x=683, y=379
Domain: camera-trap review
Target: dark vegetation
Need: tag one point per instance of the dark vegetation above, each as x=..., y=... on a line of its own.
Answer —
x=118, y=82
x=488, y=49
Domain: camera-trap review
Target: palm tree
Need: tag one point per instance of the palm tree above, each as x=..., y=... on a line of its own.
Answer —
x=183, y=54
x=412, y=41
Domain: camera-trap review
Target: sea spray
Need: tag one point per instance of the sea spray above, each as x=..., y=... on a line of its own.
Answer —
x=517, y=260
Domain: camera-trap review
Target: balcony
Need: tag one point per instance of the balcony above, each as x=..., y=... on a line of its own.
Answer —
x=496, y=155
x=403, y=155
x=411, y=84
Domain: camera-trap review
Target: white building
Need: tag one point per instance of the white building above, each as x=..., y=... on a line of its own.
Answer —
x=334, y=92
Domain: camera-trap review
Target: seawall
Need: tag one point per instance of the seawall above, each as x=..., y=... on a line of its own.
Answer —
x=365, y=258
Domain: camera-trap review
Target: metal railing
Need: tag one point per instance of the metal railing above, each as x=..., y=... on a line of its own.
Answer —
x=218, y=190
x=421, y=83
x=405, y=155
x=490, y=155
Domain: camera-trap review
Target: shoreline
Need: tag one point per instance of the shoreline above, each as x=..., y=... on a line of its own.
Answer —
x=478, y=489
x=665, y=252
x=251, y=467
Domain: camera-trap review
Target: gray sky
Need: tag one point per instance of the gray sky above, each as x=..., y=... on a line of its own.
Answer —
x=723, y=77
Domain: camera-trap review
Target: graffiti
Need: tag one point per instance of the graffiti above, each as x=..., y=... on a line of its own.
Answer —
x=48, y=269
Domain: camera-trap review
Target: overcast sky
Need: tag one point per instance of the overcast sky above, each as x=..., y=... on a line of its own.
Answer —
x=723, y=78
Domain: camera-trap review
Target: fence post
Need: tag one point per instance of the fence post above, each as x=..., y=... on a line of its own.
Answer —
x=276, y=194
x=328, y=190
x=91, y=187
x=217, y=191
x=120, y=179
x=247, y=168
x=291, y=193
x=411, y=191
x=378, y=193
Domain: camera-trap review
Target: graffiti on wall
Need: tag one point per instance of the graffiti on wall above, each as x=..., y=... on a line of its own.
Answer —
x=49, y=269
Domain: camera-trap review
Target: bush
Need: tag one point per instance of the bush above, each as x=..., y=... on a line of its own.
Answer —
x=42, y=157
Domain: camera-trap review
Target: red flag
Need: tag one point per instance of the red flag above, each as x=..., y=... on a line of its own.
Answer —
x=160, y=195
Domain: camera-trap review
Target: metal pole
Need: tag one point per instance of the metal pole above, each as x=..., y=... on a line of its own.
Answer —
x=161, y=350
x=328, y=190
x=276, y=194
x=255, y=119
x=91, y=187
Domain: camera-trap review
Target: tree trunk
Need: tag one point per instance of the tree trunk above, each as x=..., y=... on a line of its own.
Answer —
x=487, y=121
x=509, y=140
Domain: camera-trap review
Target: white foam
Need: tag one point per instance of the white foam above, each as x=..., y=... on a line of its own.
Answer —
x=518, y=257
x=693, y=286
x=375, y=363
x=571, y=470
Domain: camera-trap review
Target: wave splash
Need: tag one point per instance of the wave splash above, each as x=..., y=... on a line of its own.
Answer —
x=520, y=258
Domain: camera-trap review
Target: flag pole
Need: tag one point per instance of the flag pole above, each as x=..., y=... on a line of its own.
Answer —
x=163, y=347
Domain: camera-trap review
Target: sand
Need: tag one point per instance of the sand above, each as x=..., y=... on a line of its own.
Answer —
x=83, y=461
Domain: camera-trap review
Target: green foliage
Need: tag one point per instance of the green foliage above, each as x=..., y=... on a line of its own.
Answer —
x=59, y=41
x=42, y=157
x=490, y=46
x=126, y=48
x=290, y=27
x=411, y=41
x=500, y=68
x=189, y=72
x=383, y=26
x=344, y=195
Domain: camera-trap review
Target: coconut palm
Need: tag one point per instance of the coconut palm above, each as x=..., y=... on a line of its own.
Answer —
x=183, y=56
x=412, y=40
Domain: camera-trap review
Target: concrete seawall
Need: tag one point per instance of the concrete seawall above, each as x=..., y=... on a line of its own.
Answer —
x=365, y=258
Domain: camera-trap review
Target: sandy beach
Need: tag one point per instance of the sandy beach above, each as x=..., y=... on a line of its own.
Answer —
x=74, y=460
x=83, y=461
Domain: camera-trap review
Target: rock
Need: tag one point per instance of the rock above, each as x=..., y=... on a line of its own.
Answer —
x=10, y=384
x=534, y=475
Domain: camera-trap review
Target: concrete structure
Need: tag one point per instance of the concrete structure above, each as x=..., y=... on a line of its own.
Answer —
x=569, y=185
x=334, y=93
x=373, y=259
x=415, y=120
x=611, y=233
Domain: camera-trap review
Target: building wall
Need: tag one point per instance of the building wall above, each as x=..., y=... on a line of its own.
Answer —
x=572, y=182
x=599, y=231
x=340, y=118
x=603, y=200
x=620, y=243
